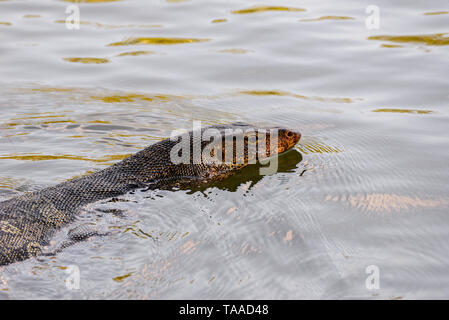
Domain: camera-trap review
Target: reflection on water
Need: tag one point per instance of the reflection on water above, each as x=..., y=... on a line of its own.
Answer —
x=28, y=16
x=439, y=39
x=237, y=51
x=219, y=20
x=436, y=13
x=156, y=41
x=256, y=9
x=299, y=96
x=90, y=1
x=366, y=185
x=40, y=157
x=404, y=111
x=250, y=175
x=135, y=53
x=328, y=18
x=318, y=147
x=87, y=60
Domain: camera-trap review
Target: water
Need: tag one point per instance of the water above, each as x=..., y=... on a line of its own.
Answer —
x=367, y=185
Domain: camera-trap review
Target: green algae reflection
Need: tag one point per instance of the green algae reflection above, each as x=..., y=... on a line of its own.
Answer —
x=294, y=95
x=121, y=278
x=135, y=53
x=257, y=9
x=328, y=18
x=87, y=60
x=43, y=157
x=435, y=13
x=90, y=1
x=219, y=20
x=437, y=39
x=156, y=41
x=412, y=111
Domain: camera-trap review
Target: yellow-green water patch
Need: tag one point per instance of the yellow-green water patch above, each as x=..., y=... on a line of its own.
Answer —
x=412, y=111
x=84, y=174
x=99, y=121
x=236, y=51
x=219, y=20
x=122, y=98
x=328, y=18
x=318, y=148
x=87, y=60
x=62, y=267
x=57, y=121
x=11, y=125
x=16, y=135
x=43, y=157
x=131, y=97
x=5, y=23
x=123, y=135
x=121, y=278
x=90, y=1
x=147, y=137
x=299, y=96
x=156, y=41
x=38, y=117
x=265, y=93
x=256, y=9
x=384, y=45
x=31, y=16
x=80, y=22
x=50, y=89
x=135, y=53
x=10, y=183
x=437, y=39
x=435, y=13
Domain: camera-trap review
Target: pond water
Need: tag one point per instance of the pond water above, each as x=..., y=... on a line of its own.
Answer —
x=364, y=193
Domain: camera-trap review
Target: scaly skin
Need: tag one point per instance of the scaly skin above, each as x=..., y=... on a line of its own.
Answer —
x=28, y=222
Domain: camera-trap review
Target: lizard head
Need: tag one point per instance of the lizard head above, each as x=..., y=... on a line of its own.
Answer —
x=236, y=146
x=287, y=139
x=212, y=153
